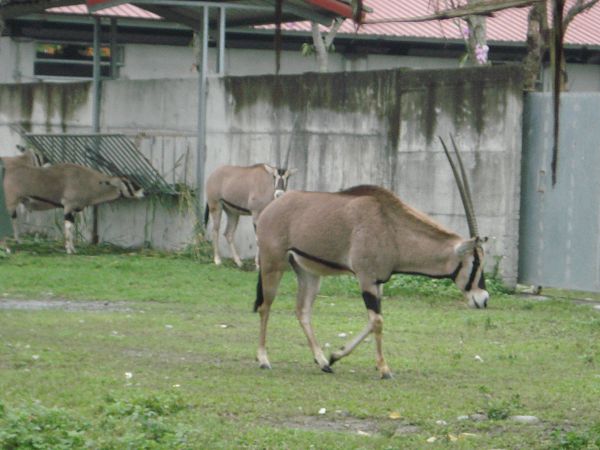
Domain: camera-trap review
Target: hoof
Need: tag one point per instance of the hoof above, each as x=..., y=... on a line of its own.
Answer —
x=387, y=376
x=266, y=366
x=327, y=369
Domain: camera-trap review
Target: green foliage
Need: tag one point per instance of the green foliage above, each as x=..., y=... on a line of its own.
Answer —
x=576, y=440
x=141, y=423
x=497, y=409
x=40, y=428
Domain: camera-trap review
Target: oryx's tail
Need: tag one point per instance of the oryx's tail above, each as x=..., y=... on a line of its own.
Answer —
x=206, y=215
x=259, y=293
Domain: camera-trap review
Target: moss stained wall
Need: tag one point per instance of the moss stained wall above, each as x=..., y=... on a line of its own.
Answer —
x=44, y=105
x=382, y=127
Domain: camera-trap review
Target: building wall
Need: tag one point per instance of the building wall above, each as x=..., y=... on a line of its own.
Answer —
x=143, y=62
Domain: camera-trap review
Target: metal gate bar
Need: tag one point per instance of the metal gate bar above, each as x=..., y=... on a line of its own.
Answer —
x=112, y=154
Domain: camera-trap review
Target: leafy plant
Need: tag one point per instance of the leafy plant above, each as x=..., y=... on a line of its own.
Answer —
x=38, y=427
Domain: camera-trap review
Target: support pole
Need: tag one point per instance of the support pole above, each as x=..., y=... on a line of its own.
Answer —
x=97, y=87
x=201, y=142
x=222, y=14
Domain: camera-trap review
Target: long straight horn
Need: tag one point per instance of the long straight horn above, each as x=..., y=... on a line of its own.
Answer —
x=289, y=149
x=466, y=187
x=464, y=196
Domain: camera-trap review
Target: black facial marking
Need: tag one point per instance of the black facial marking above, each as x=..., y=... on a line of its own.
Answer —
x=129, y=187
x=481, y=283
x=330, y=264
x=14, y=215
x=69, y=217
x=372, y=302
x=474, y=268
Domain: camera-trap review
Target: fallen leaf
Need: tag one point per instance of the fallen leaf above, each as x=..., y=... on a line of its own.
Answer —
x=395, y=415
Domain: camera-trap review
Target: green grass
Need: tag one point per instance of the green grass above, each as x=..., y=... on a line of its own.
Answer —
x=164, y=358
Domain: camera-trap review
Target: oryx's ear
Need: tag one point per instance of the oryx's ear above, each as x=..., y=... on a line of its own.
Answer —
x=270, y=169
x=290, y=172
x=466, y=246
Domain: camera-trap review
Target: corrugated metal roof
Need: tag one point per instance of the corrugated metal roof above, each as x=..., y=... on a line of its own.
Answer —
x=504, y=26
x=123, y=10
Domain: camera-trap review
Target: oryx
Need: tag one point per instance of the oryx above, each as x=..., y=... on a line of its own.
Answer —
x=240, y=191
x=68, y=186
x=366, y=231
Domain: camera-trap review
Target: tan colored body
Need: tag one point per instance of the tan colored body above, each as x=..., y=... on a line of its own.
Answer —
x=68, y=186
x=366, y=231
x=240, y=191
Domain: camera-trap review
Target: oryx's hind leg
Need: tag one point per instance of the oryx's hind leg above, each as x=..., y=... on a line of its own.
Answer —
x=232, y=223
x=268, y=282
x=371, y=293
x=69, y=232
x=308, y=288
x=215, y=210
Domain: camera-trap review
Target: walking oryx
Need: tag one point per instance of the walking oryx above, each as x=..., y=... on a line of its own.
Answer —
x=366, y=231
x=68, y=186
x=241, y=191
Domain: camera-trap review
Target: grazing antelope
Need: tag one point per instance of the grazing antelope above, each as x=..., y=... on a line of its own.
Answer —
x=366, y=231
x=68, y=186
x=240, y=191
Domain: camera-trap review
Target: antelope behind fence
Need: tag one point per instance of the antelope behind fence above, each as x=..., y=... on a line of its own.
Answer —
x=68, y=186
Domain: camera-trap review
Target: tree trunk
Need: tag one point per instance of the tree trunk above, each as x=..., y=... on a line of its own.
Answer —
x=477, y=47
x=537, y=46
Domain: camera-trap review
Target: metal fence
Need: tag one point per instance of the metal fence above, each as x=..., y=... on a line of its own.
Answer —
x=560, y=225
x=112, y=154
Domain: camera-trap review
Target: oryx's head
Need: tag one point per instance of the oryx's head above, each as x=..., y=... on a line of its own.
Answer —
x=126, y=187
x=280, y=177
x=469, y=277
x=32, y=158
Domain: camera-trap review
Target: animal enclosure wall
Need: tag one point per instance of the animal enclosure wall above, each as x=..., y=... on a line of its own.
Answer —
x=341, y=129
x=382, y=128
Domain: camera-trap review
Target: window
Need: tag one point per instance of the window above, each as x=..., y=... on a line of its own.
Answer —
x=74, y=60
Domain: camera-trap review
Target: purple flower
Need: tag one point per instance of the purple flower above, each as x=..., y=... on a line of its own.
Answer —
x=464, y=30
x=481, y=53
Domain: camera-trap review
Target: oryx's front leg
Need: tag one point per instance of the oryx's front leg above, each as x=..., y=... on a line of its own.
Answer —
x=265, y=294
x=15, y=226
x=308, y=288
x=215, y=215
x=69, y=232
x=372, y=294
x=232, y=223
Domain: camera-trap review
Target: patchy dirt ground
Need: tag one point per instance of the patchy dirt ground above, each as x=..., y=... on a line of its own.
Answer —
x=64, y=305
x=343, y=423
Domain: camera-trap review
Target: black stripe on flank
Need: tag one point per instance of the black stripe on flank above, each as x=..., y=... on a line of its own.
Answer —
x=43, y=200
x=237, y=208
x=451, y=276
x=330, y=264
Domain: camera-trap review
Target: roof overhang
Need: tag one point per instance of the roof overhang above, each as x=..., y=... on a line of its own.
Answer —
x=238, y=12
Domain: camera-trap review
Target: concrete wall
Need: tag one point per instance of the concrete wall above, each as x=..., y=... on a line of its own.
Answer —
x=382, y=128
x=343, y=129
